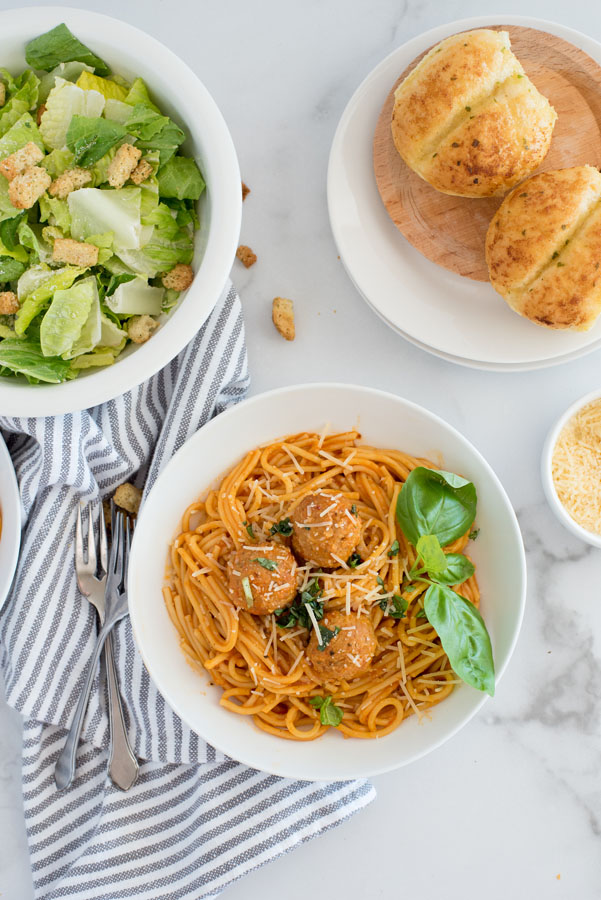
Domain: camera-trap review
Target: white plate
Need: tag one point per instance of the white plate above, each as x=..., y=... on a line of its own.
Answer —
x=384, y=420
x=456, y=318
x=180, y=94
x=10, y=509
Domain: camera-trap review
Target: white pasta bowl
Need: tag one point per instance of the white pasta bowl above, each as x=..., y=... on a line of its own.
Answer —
x=179, y=92
x=547, y=472
x=384, y=420
x=10, y=512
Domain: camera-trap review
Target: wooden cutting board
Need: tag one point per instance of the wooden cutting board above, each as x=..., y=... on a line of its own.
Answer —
x=451, y=230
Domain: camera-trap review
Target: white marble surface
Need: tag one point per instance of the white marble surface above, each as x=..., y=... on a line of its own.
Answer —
x=513, y=802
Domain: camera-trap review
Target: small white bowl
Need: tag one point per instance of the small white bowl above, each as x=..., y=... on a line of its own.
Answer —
x=181, y=95
x=384, y=420
x=547, y=472
x=10, y=509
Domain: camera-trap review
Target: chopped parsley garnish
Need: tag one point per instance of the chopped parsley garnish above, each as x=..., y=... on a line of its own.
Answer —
x=380, y=581
x=326, y=636
x=248, y=594
x=329, y=713
x=283, y=527
x=297, y=614
x=354, y=509
x=250, y=531
x=396, y=607
x=353, y=561
x=269, y=564
x=421, y=614
x=474, y=534
x=394, y=549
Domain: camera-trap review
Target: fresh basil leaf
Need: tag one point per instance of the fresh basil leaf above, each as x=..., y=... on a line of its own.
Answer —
x=283, y=527
x=297, y=614
x=24, y=357
x=317, y=702
x=89, y=139
x=395, y=607
x=394, y=549
x=474, y=534
x=10, y=269
x=8, y=231
x=326, y=636
x=269, y=564
x=247, y=591
x=421, y=614
x=180, y=178
x=458, y=570
x=435, y=503
x=353, y=561
x=330, y=714
x=57, y=46
x=428, y=547
x=249, y=531
x=463, y=635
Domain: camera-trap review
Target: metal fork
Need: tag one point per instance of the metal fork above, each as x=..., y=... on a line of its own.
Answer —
x=111, y=602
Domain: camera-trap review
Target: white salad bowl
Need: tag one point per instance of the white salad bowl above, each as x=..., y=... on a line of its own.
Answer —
x=384, y=420
x=10, y=511
x=180, y=94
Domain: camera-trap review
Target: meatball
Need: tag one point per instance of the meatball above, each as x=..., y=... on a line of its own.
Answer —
x=272, y=578
x=349, y=653
x=326, y=529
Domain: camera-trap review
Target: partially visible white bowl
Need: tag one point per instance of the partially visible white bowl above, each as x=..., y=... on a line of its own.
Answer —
x=178, y=91
x=547, y=472
x=10, y=510
x=386, y=421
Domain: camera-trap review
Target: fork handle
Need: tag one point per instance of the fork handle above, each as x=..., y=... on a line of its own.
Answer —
x=123, y=765
x=64, y=770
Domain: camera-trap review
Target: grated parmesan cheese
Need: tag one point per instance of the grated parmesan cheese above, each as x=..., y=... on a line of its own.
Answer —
x=576, y=467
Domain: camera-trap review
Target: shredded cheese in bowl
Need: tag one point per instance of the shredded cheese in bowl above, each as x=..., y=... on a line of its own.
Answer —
x=576, y=467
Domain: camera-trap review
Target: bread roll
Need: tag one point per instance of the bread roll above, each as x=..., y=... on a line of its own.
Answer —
x=468, y=120
x=543, y=248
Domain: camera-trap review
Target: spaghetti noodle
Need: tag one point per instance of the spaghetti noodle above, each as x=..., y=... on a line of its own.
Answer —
x=263, y=668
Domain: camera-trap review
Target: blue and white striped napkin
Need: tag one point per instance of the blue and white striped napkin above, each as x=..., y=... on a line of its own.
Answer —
x=195, y=821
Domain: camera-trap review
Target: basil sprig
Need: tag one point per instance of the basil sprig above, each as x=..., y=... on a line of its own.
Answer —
x=329, y=713
x=434, y=509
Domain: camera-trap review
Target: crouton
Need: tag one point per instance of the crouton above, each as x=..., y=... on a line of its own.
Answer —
x=282, y=313
x=20, y=160
x=142, y=171
x=245, y=191
x=40, y=112
x=76, y=253
x=179, y=278
x=122, y=165
x=140, y=328
x=69, y=181
x=8, y=303
x=2, y=93
x=128, y=498
x=246, y=256
x=26, y=189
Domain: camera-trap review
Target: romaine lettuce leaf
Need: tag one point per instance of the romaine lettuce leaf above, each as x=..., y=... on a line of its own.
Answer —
x=58, y=161
x=99, y=357
x=58, y=45
x=138, y=93
x=89, y=139
x=110, y=90
x=22, y=132
x=94, y=211
x=7, y=332
x=66, y=316
x=67, y=71
x=111, y=335
x=11, y=114
x=9, y=238
x=35, y=300
x=24, y=357
x=65, y=101
x=56, y=212
x=91, y=331
x=10, y=269
x=117, y=111
x=180, y=178
x=31, y=237
x=136, y=298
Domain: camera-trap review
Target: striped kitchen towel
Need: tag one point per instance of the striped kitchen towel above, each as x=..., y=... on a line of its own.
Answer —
x=196, y=820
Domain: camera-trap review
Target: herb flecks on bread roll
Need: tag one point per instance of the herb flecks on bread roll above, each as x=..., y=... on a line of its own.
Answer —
x=543, y=248
x=468, y=120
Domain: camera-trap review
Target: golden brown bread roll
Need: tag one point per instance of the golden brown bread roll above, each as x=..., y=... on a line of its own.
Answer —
x=468, y=120
x=543, y=248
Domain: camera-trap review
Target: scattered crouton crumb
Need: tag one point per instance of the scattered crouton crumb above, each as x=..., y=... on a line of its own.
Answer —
x=245, y=191
x=2, y=93
x=128, y=498
x=142, y=171
x=69, y=181
x=40, y=112
x=140, y=328
x=77, y=253
x=282, y=314
x=179, y=278
x=26, y=189
x=246, y=256
x=122, y=165
x=20, y=160
x=8, y=303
